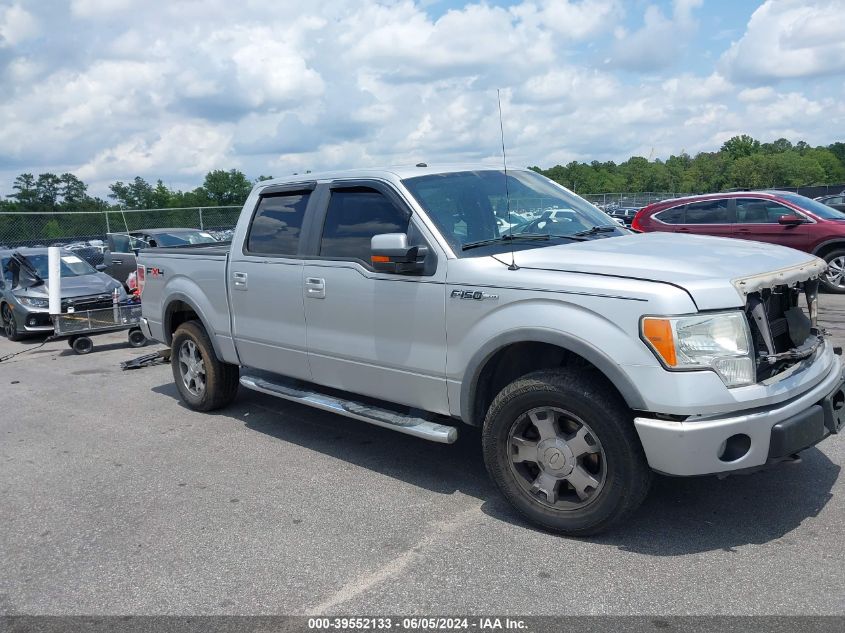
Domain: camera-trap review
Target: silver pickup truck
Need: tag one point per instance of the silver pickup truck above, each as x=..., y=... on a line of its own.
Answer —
x=590, y=356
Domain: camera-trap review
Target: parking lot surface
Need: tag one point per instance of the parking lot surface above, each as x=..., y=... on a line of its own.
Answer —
x=116, y=499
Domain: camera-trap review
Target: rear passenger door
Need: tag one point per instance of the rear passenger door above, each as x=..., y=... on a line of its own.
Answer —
x=265, y=285
x=757, y=219
x=377, y=334
x=708, y=217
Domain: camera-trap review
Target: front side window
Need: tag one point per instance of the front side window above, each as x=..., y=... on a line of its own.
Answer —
x=277, y=223
x=353, y=217
x=760, y=211
x=707, y=212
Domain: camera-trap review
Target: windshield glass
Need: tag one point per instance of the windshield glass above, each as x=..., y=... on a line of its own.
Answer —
x=472, y=206
x=814, y=206
x=181, y=238
x=72, y=266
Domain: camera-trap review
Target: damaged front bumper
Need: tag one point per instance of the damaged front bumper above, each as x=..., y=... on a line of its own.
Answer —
x=720, y=444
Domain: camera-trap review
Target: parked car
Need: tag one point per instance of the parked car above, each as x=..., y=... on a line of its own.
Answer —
x=779, y=217
x=837, y=201
x=120, y=255
x=588, y=355
x=626, y=214
x=24, y=307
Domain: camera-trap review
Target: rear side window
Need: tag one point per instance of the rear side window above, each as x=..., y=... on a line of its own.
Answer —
x=353, y=217
x=277, y=223
x=671, y=216
x=707, y=212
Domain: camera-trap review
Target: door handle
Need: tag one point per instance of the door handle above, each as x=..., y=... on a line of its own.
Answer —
x=683, y=230
x=240, y=281
x=315, y=287
x=743, y=230
x=116, y=261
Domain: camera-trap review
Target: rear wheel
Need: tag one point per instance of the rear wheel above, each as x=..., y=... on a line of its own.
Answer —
x=10, y=325
x=834, y=278
x=204, y=382
x=561, y=446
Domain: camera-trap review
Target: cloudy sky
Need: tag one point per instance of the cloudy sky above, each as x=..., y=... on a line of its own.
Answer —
x=111, y=89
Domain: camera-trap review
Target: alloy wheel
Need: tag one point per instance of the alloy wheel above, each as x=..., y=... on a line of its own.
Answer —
x=556, y=458
x=192, y=368
x=836, y=271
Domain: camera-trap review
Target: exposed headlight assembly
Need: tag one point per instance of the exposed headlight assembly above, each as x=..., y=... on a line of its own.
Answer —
x=720, y=341
x=34, y=302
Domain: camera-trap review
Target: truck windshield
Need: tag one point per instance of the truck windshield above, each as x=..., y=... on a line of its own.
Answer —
x=181, y=238
x=471, y=208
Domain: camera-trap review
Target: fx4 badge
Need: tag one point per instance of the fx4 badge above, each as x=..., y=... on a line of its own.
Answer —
x=472, y=294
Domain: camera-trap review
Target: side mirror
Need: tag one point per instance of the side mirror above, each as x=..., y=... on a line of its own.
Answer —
x=101, y=267
x=390, y=253
x=790, y=220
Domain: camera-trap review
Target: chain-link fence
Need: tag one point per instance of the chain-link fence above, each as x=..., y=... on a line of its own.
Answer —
x=45, y=229
x=629, y=200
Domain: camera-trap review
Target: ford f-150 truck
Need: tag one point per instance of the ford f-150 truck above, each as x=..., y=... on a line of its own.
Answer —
x=590, y=356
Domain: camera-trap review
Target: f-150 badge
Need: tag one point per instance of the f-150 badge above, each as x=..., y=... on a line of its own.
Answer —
x=472, y=294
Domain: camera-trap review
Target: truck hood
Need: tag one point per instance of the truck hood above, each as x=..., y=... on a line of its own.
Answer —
x=716, y=272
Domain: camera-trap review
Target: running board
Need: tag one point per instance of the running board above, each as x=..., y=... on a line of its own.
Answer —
x=410, y=425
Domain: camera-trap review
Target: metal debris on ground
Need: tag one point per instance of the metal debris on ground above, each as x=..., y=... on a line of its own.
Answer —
x=161, y=357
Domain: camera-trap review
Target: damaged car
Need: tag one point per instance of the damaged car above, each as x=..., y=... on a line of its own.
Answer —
x=24, y=305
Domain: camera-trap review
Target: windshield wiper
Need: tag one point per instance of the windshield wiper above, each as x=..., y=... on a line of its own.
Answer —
x=507, y=237
x=602, y=228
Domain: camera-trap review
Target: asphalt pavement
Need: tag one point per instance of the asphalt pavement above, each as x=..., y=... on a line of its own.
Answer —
x=116, y=499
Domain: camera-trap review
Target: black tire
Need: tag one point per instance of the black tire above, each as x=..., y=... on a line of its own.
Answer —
x=71, y=340
x=136, y=338
x=82, y=345
x=581, y=399
x=10, y=325
x=219, y=379
x=834, y=279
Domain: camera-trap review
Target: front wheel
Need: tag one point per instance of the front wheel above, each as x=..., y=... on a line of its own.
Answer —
x=10, y=325
x=204, y=382
x=562, y=448
x=834, y=279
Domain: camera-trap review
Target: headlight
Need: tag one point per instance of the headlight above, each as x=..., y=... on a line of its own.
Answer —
x=719, y=341
x=34, y=302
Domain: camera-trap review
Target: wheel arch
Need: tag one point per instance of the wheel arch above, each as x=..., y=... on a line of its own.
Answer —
x=518, y=352
x=827, y=247
x=180, y=309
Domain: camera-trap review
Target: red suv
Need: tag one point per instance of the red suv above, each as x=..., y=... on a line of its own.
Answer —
x=780, y=217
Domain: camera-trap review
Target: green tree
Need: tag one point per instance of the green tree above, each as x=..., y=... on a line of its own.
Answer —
x=227, y=187
x=742, y=145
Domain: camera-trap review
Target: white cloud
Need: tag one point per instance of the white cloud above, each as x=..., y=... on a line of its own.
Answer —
x=789, y=39
x=16, y=25
x=661, y=39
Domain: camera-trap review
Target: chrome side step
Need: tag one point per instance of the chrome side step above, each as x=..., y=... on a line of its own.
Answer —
x=408, y=424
